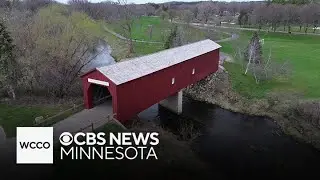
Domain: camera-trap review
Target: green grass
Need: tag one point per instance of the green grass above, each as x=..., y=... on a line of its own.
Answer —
x=246, y=84
x=294, y=28
x=145, y=48
x=303, y=53
x=141, y=28
x=160, y=29
x=15, y=116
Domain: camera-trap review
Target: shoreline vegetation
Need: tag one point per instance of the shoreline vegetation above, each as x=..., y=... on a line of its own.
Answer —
x=216, y=89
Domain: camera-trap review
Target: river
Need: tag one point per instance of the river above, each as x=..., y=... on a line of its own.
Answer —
x=238, y=144
x=233, y=143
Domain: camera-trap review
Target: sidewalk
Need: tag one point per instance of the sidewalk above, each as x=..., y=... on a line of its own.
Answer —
x=85, y=119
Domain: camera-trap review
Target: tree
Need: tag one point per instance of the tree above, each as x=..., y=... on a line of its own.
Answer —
x=172, y=14
x=206, y=10
x=274, y=14
x=253, y=54
x=170, y=40
x=8, y=65
x=54, y=47
x=195, y=12
x=164, y=15
x=126, y=13
x=259, y=16
x=187, y=16
x=35, y=5
x=290, y=16
x=243, y=18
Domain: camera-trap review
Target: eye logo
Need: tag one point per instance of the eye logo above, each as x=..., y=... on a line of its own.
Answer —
x=66, y=138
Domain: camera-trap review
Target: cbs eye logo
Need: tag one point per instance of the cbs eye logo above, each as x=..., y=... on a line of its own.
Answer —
x=66, y=138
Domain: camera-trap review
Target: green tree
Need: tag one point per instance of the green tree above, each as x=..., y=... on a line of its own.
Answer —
x=170, y=40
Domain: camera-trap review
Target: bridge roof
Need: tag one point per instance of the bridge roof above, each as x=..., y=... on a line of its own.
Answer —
x=141, y=66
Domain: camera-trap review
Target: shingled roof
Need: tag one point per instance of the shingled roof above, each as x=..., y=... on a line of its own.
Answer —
x=141, y=66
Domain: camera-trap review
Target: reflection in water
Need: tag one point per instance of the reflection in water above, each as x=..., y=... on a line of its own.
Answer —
x=238, y=144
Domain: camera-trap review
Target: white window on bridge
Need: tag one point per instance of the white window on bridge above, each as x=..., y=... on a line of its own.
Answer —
x=193, y=71
x=172, y=81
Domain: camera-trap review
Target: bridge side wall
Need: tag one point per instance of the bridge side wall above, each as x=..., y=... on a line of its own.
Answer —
x=139, y=94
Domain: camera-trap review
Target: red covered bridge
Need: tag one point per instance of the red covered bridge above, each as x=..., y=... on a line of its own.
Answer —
x=137, y=84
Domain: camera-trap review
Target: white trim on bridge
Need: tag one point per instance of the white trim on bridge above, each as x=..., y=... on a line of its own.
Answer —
x=94, y=81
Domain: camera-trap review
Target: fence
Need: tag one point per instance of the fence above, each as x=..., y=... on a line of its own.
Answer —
x=91, y=127
x=60, y=116
x=64, y=114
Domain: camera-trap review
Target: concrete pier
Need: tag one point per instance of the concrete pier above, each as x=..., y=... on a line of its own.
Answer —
x=173, y=103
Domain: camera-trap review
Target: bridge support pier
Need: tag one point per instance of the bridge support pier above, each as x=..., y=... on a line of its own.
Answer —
x=173, y=103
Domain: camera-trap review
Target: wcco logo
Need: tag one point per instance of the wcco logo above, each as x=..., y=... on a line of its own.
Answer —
x=34, y=145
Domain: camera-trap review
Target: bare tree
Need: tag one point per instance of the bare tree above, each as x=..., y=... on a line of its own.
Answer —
x=187, y=16
x=195, y=11
x=172, y=14
x=8, y=65
x=206, y=10
x=258, y=17
x=254, y=55
x=164, y=15
x=54, y=38
x=127, y=22
x=290, y=16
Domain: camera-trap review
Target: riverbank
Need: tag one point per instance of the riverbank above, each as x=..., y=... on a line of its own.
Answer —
x=283, y=108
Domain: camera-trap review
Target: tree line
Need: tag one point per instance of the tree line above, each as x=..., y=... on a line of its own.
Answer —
x=45, y=45
x=272, y=13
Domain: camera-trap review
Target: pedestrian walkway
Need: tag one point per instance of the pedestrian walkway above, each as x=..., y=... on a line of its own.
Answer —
x=86, y=120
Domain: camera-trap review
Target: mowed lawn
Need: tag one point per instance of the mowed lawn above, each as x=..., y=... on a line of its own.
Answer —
x=303, y=54
x=160, y=29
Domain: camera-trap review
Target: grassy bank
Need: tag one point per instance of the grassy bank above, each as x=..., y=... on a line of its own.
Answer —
x=293, y=114
x=15, y=115
x=293, y=103
x=301, y=51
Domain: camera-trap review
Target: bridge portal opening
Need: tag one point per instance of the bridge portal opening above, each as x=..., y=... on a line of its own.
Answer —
x=101, y=95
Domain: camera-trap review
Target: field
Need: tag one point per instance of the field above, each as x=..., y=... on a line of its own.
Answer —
x=160, y=29
x=303, y=54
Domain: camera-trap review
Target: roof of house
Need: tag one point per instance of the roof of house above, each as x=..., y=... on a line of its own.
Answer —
x=141, y=66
